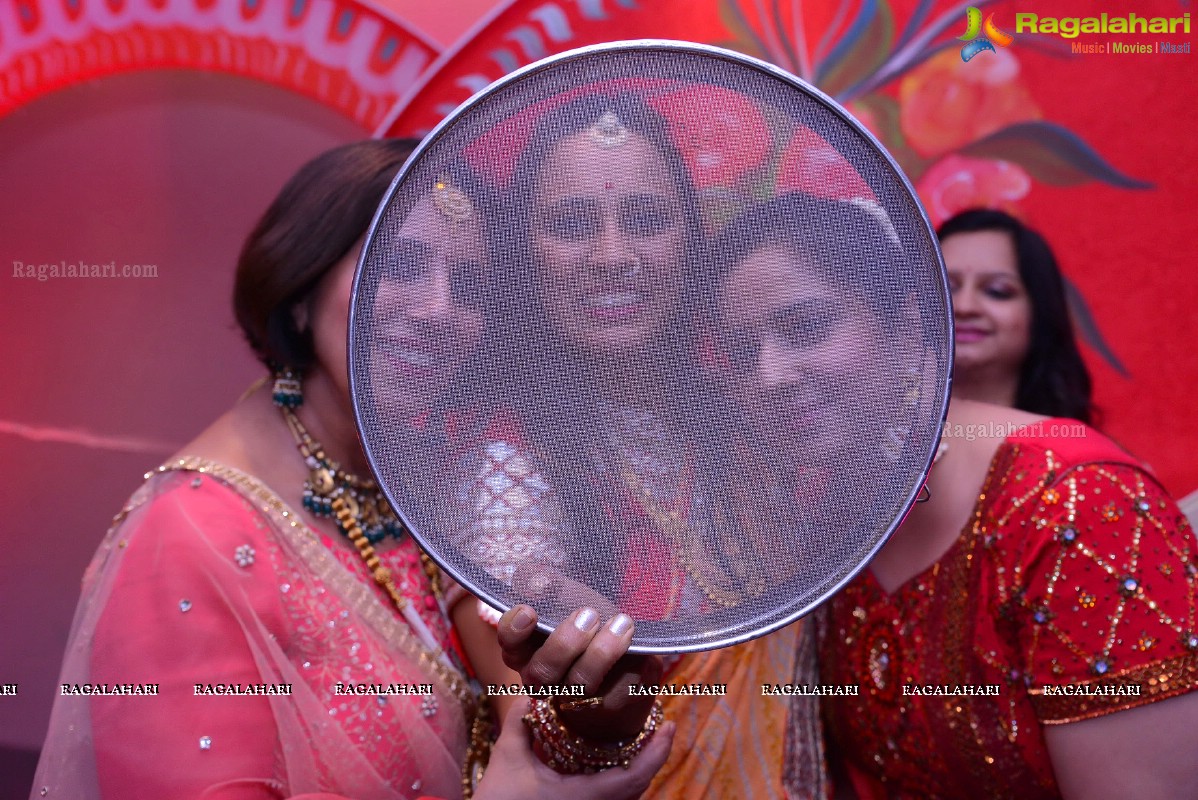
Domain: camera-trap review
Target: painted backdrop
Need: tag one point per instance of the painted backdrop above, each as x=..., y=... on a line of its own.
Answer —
x=148, y=134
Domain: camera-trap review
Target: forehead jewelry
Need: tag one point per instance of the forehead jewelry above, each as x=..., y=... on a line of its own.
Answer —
x=451, y=202
x=608, y=131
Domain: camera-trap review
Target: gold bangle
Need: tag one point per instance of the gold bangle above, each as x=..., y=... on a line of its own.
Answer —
x=584, y=702
x=570, y=754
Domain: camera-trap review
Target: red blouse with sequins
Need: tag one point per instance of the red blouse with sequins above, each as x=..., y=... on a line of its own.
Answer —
x=1071, y=594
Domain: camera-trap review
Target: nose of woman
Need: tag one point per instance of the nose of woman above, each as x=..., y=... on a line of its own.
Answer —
x=431, y=299
x=612, y=252
x=965, y=301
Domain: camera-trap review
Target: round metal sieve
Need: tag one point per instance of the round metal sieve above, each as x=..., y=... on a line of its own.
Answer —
x=653, y=327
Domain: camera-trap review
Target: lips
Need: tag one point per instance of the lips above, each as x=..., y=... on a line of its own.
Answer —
x=969, y=333
x=416, y=358
x=796, y=409
x=804, y=419
x=412, y=357
x=614, y=305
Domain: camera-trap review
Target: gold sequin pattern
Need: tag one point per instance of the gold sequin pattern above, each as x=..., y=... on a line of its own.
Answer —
x=1154, y=681
x=1069, y=573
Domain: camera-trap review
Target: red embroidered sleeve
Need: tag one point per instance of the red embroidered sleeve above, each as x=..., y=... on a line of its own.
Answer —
x=1104, y=594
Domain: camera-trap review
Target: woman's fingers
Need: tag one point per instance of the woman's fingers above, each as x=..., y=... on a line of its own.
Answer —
x=554, y=659
x=621, y=713
x=518, y=637
x=582, y=651
x=608, y=643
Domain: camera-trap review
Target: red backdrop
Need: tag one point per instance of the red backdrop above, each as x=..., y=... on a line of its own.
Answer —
x=170, y=167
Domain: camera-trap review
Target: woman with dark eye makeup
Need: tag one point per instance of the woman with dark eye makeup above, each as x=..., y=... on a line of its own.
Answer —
x=1015, y=344
x=605, y=258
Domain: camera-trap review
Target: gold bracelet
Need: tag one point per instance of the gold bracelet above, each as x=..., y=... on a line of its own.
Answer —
x=570, y=754
x=478, y=753
x=577, y=705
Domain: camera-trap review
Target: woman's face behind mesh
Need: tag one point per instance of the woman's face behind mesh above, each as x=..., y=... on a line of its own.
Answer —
x=805, y=356
x=429, y=302
x=608, y=238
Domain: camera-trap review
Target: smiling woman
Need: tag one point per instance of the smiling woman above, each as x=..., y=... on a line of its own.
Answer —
x=429, y=301
x=1015, y=344
x=593, y=482
x=610, y=259
x=600, y=259
x=815, y=356
x=286, y=575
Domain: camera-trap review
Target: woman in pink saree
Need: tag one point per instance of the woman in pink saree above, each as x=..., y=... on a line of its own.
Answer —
x=257, y=624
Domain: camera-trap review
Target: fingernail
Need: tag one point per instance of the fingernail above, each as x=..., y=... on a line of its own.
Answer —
x=620, y=624
x=524, y=619
x=586, y=619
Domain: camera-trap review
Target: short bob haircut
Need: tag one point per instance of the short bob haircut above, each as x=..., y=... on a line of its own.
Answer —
x=1054, y=380
x=321, y=212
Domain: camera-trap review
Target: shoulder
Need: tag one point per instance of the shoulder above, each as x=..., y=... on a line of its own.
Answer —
x=1072, y=444
x=1039, y=454
x=1082, y=508
x=1057, y=483
x=195, y=506
x=1039, y=474
x=984, y=427
x=501, y=447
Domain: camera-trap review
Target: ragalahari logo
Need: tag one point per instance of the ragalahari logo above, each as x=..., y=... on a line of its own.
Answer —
x=977, y=43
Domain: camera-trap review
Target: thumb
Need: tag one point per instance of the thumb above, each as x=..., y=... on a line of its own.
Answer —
x=514, y=741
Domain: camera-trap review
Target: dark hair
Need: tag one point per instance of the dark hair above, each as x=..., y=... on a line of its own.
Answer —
x=1053, y=379
x=849, y=242
x=557, y=384
x=319, y=214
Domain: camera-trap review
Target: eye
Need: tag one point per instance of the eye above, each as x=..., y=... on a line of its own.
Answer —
x=407, y=260
x=742, y=346
x=1001, y=290
x=646, y=215
x=571, y=220
x=807, y=324
x=466, y=283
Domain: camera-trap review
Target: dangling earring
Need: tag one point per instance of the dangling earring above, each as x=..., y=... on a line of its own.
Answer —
x=897, y=434
x=911, y=384
x=288, y=391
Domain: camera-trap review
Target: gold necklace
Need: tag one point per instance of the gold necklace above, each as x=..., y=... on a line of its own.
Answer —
x=646, y=434
x=330, y=491
x=327, y=483
x=685, y=542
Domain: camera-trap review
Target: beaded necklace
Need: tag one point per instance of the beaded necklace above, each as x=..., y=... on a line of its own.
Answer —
x=327, y=484
x=364, y=516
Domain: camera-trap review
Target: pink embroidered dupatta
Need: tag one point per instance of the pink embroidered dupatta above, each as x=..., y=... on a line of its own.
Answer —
x=208, y=579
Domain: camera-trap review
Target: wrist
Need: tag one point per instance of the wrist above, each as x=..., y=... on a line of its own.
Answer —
x=600, y=725
x=568, y=753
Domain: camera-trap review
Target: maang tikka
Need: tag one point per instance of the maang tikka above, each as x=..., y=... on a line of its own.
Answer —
x=451, y=202
x=608, y=131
